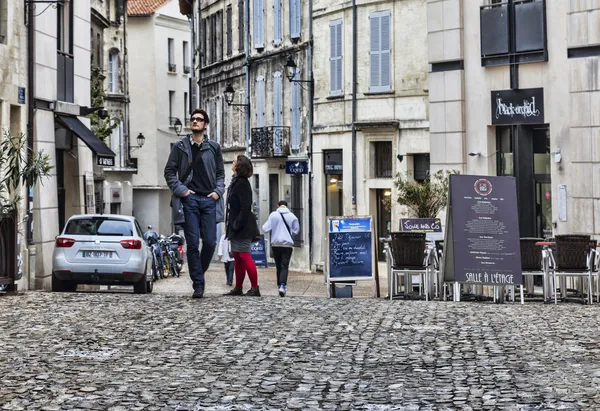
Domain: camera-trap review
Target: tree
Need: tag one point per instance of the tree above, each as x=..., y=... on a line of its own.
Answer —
x=424, y=199
x=101, y=128
x=15, y=170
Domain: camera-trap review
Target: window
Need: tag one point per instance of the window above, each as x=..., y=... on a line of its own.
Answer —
x=296, y=113
x=382, y=159
x=99, y=49
x=186, y=57
x=278, y=22
x=65, y=66
x=513, y=32
x=335, y=58
x=260, y=101
x=3, y=20
x=113, y=71
x=205, y=40
x=229, y=31
x=258, y=23
x=219, y=34
x=241, y=121
x=186, y=122
x=171, y=55
x=421, y=167
x=241, y=20
x=99, y=226
x=171, y=107
x=380, y=51
x=295, y=18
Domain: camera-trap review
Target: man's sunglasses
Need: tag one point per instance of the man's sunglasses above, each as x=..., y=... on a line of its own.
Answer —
x=198, y=119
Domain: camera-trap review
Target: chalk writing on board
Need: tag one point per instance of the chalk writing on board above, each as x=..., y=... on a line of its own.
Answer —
x=350, y=248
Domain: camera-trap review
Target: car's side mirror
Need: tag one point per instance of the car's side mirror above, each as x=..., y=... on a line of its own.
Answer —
x=151, y=240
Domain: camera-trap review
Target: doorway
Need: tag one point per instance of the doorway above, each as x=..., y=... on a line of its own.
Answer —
x=273, y=192
x=524, y=152
x=384, y=217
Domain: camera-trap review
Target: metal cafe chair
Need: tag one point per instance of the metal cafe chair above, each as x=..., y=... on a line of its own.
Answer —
x=573, y=256
x=532, y=265
x=407, y=255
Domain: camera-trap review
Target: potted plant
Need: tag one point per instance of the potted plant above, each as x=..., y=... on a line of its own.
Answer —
x=424, y=199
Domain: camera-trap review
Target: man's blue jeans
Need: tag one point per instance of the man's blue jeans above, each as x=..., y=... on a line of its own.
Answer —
x=200, y=222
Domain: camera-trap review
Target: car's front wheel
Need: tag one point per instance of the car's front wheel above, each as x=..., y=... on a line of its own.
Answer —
x=59, y=285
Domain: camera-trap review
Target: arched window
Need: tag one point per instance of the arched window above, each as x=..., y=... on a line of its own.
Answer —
x=113, y=71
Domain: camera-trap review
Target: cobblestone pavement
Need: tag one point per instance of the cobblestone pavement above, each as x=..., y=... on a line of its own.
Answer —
x=119, y=351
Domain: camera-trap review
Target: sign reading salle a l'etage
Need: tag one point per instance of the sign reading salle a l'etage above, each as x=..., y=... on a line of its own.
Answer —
x=524, y=106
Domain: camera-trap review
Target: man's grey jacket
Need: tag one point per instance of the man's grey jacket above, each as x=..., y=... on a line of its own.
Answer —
x=180, y=160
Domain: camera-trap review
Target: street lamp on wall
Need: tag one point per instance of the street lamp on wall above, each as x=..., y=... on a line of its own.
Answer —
x=178, y=126
x=229, y=93
x=140, y=141
x=290, y=72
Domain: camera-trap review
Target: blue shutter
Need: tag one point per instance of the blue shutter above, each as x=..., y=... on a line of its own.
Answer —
x=277, y=112
x=258, y=15
x=296, y=107
x=277, y=29
x=335, y=58
x=295, y=18
x=260, y=101
x=380, y=51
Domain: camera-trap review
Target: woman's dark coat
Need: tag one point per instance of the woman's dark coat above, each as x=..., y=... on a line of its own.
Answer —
x=241, y=224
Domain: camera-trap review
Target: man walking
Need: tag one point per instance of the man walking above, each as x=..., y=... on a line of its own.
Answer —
x=195, y=174
x=282, y=224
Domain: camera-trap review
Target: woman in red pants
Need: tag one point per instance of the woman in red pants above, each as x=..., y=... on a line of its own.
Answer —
x=241, y=226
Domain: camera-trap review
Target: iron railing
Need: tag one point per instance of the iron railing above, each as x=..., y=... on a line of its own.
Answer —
x=172, y=68
x=186, y=69
x=270, y=142
x=8, y=250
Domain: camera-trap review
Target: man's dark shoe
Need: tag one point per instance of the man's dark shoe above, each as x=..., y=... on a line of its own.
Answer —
x=198, y=295
x=235, y=291
x=253, y=292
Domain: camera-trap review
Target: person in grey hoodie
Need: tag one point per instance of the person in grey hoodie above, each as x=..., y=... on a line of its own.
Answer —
x=282, y=224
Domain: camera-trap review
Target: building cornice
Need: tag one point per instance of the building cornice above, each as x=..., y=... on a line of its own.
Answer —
x=172, y=22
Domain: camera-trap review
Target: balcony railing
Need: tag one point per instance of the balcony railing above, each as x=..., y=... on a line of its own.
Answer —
x=172, y=68
x=187, y=69
x=270, y=142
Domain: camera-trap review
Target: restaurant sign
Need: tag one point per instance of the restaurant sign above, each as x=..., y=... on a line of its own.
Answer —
x=525, y=106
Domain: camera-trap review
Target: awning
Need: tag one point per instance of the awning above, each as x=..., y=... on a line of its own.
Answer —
x=86, y=135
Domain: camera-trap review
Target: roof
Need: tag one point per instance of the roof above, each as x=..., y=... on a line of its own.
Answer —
x=143, y=7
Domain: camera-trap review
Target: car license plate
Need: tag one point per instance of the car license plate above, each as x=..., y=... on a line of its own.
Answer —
x=97, y=254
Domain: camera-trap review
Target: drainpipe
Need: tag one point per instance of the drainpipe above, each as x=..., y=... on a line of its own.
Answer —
x=192, y=96
x=31, y=248
x=200, y=41
x=247, y=64
x=126, y=137
x=311, y=96
x=354, y=84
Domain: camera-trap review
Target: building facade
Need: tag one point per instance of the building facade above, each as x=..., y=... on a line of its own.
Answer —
x=13, y=120
x=159, y=71
x=61, y=91
x=507, y=98
x=114, y=186
x=371, y=108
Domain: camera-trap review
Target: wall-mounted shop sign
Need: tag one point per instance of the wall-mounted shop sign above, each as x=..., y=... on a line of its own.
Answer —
x=296, y=167
x=105, y=161
x=525, y=106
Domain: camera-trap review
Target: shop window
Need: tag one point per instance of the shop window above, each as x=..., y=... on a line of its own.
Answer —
x=421, y=167
x=513, y=31
x=297, y=206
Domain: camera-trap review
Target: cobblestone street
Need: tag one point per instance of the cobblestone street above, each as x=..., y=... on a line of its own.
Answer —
x=165, y=351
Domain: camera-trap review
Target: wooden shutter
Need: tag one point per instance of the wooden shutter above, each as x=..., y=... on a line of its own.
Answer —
x=335, y=58
x=296, y=108
x=278, y=23
x=295, y=18
x=380, y=51
x=277, y=112
x=260, y=101
x=229, y=18
x=258, y=14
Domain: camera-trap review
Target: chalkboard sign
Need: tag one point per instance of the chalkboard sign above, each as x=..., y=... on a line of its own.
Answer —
x=421, y=225
x=482, y=243
x=350, y=248
x=258, y=252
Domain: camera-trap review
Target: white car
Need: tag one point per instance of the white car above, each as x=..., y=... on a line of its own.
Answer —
x=102, y=249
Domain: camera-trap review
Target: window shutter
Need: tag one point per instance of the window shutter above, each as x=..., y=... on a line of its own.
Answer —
x=296, y=138
x=278, y=29
x=258, y=24
x=335, y=58
x=277, y=112
x=260, y=101
x=295, y=18
x=380, y=51
x=229, y=31
x=241, y=139
x=219, y=118
x=241, y=19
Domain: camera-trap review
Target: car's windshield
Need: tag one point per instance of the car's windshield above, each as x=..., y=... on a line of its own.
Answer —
x=99, y=226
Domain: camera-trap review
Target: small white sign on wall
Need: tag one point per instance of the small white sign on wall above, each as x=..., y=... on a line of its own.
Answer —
x=562, y=202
